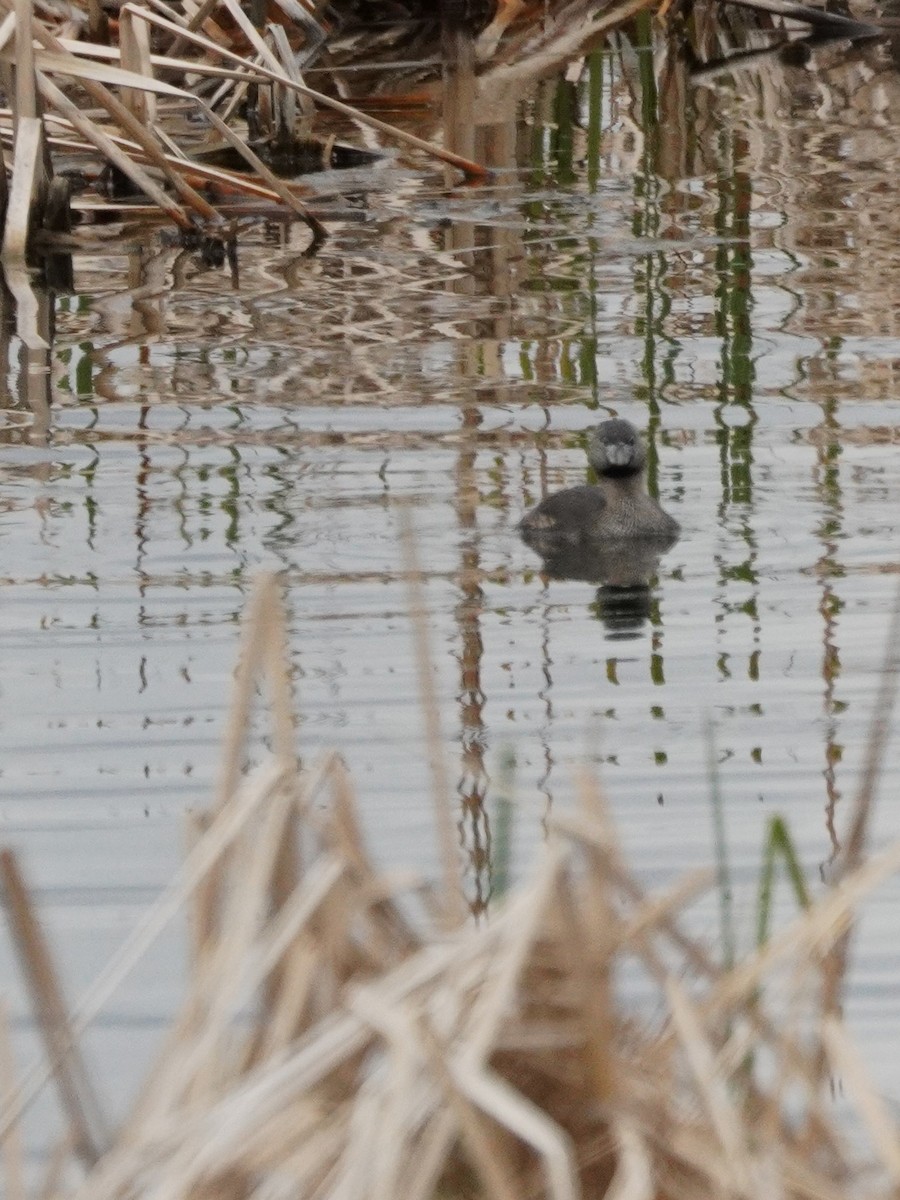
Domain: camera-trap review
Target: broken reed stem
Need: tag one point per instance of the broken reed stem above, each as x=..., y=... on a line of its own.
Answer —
x=876, y=744
x=134, y=55
x=814, y=930
x=26, y=92
x=254, y=657
x=711, y=1087
x=197, y=172
x=486, y=1015
x=834, y=966
x=203, y=11
x=397, y=1066
x=659, y=917
x=598, y=924
x=281, y=189
x=109, y=54
x=471, y=170
x=127, y=121
x=287, y=102
x=589, y=946
x=277, y=185
x=231, y=973
x=76, y=1093
x=392, y=932
x=487, y=1147
x=250, y=32
x=27, y=194
x=226, y=827
x=109, y=150
x=549, y=1140
x=561, y=43
x=12, y=1148
x=454, y=907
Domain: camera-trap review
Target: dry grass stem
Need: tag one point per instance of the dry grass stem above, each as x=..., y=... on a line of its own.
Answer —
x=13, y=1150
x=277, y=75
x=846, y=1064
x=26, y=101
x=76, y=1092
x=27, y=189
x=261, y=108
x=335, y=1042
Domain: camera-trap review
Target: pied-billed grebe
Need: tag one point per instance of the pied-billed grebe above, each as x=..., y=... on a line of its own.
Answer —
x=617, y=508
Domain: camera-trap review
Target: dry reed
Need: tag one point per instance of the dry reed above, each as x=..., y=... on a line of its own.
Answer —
x=337, y=1039
x=160, y=64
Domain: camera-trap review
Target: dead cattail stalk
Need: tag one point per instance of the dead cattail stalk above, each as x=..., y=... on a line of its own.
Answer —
x=285, y=193
x=134, y=45
x=853, y=851
x=334, y=1043
x=470, y=169
x=127, y=121
x=846, y=1062
x=253, y=655
x=27, y=191
x=26, y=101
x=77, y=1096
x=109, y=150
x=13, y=1145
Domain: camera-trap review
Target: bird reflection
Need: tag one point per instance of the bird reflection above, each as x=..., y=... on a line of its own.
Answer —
x=612, y=534
x=623, y=567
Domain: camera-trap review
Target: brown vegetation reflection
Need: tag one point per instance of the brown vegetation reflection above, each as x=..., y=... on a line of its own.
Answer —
x=639, y=207
x=485, y=272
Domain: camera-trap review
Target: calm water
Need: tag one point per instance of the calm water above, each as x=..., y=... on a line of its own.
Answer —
x=716, y=261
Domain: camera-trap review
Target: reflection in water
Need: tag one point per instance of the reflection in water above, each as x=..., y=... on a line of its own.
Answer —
x=27, y=314
x=619, y=563
x=623, y=610
x=790, y=49
x=625, y=567
x=717, y=264
x=486, y=274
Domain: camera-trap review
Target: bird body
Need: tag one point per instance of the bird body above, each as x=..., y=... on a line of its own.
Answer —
x=618, y=507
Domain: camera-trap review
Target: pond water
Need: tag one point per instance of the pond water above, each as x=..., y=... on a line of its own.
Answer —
x=715, y=259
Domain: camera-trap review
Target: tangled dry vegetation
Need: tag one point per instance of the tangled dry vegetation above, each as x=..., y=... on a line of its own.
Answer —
x=347, y=1032
x=140, y=100
x=201, y=111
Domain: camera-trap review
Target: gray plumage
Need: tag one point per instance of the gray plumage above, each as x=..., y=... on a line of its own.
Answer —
x=618, y=508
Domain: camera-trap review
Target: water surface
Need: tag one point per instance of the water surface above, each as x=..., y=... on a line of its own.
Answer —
x=715, y=260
